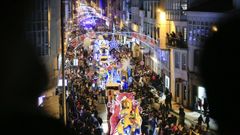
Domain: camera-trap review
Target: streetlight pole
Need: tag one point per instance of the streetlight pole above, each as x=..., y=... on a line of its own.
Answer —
x=63, y=65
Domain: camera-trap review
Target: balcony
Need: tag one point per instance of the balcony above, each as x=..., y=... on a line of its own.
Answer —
x=175, y=40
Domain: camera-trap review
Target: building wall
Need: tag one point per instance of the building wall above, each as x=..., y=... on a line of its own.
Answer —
x=55, y=36
x=236, y=4
x=135, y=15
x=135, y=19
x=37, y=27
x=200, y=26
x=150, y=16
x=180, y=62
x=193, y=54
x=164, y=59
x=43, y=31
x=175, y=9
x=199, y=29
x=180, y=76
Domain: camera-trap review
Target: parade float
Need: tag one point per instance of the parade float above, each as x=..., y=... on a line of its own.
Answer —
x=125, y=116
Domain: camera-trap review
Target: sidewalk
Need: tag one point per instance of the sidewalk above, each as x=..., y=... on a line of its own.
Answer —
x=192, y=116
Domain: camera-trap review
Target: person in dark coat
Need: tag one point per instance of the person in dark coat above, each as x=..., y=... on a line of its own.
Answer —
x=181, y=115
x=207, y=120
x=200, y=120
x=205, y=106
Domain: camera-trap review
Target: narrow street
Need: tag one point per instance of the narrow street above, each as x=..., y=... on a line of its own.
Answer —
x=112, y=90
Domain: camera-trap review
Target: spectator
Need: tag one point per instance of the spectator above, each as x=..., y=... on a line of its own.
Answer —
x=181, y=115
x=207, y=120
x=205, y=106
x=200, y=120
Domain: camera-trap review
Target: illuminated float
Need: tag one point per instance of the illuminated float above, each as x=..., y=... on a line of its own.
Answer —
x=125, y=118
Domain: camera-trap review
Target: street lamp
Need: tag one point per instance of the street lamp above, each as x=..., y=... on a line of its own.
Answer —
x=214, y=28
x=162, y=15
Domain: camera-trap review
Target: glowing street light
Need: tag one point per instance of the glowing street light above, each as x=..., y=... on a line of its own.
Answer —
x=214, y=28
x=162, y=16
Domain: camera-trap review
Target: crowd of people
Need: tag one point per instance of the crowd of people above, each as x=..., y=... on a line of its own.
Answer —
x=160, y=120
x=83, y=99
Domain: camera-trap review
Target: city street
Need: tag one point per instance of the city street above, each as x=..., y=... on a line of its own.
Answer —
x=100, y=68
x=120, y=67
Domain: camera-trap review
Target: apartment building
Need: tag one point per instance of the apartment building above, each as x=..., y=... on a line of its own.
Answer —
x=173, y=36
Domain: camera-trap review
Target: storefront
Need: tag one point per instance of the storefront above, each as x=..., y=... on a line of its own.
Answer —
x=197, y=92
x=181, y=92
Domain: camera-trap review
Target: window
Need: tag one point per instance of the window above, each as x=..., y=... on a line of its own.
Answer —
x=46, y=37
x=148, y=6
x=38, y=26
x=164, y=57
x=185, y=92
x=151, y=11
x=45, y=50
x=177, y=60
x=184, y=63
x=145, y=27
x=196, y=57
x=177, y=89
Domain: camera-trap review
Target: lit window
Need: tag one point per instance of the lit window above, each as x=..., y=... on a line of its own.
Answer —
x=184, y=63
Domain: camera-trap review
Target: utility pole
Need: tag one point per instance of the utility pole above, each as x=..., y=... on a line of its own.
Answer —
x=63, y=65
